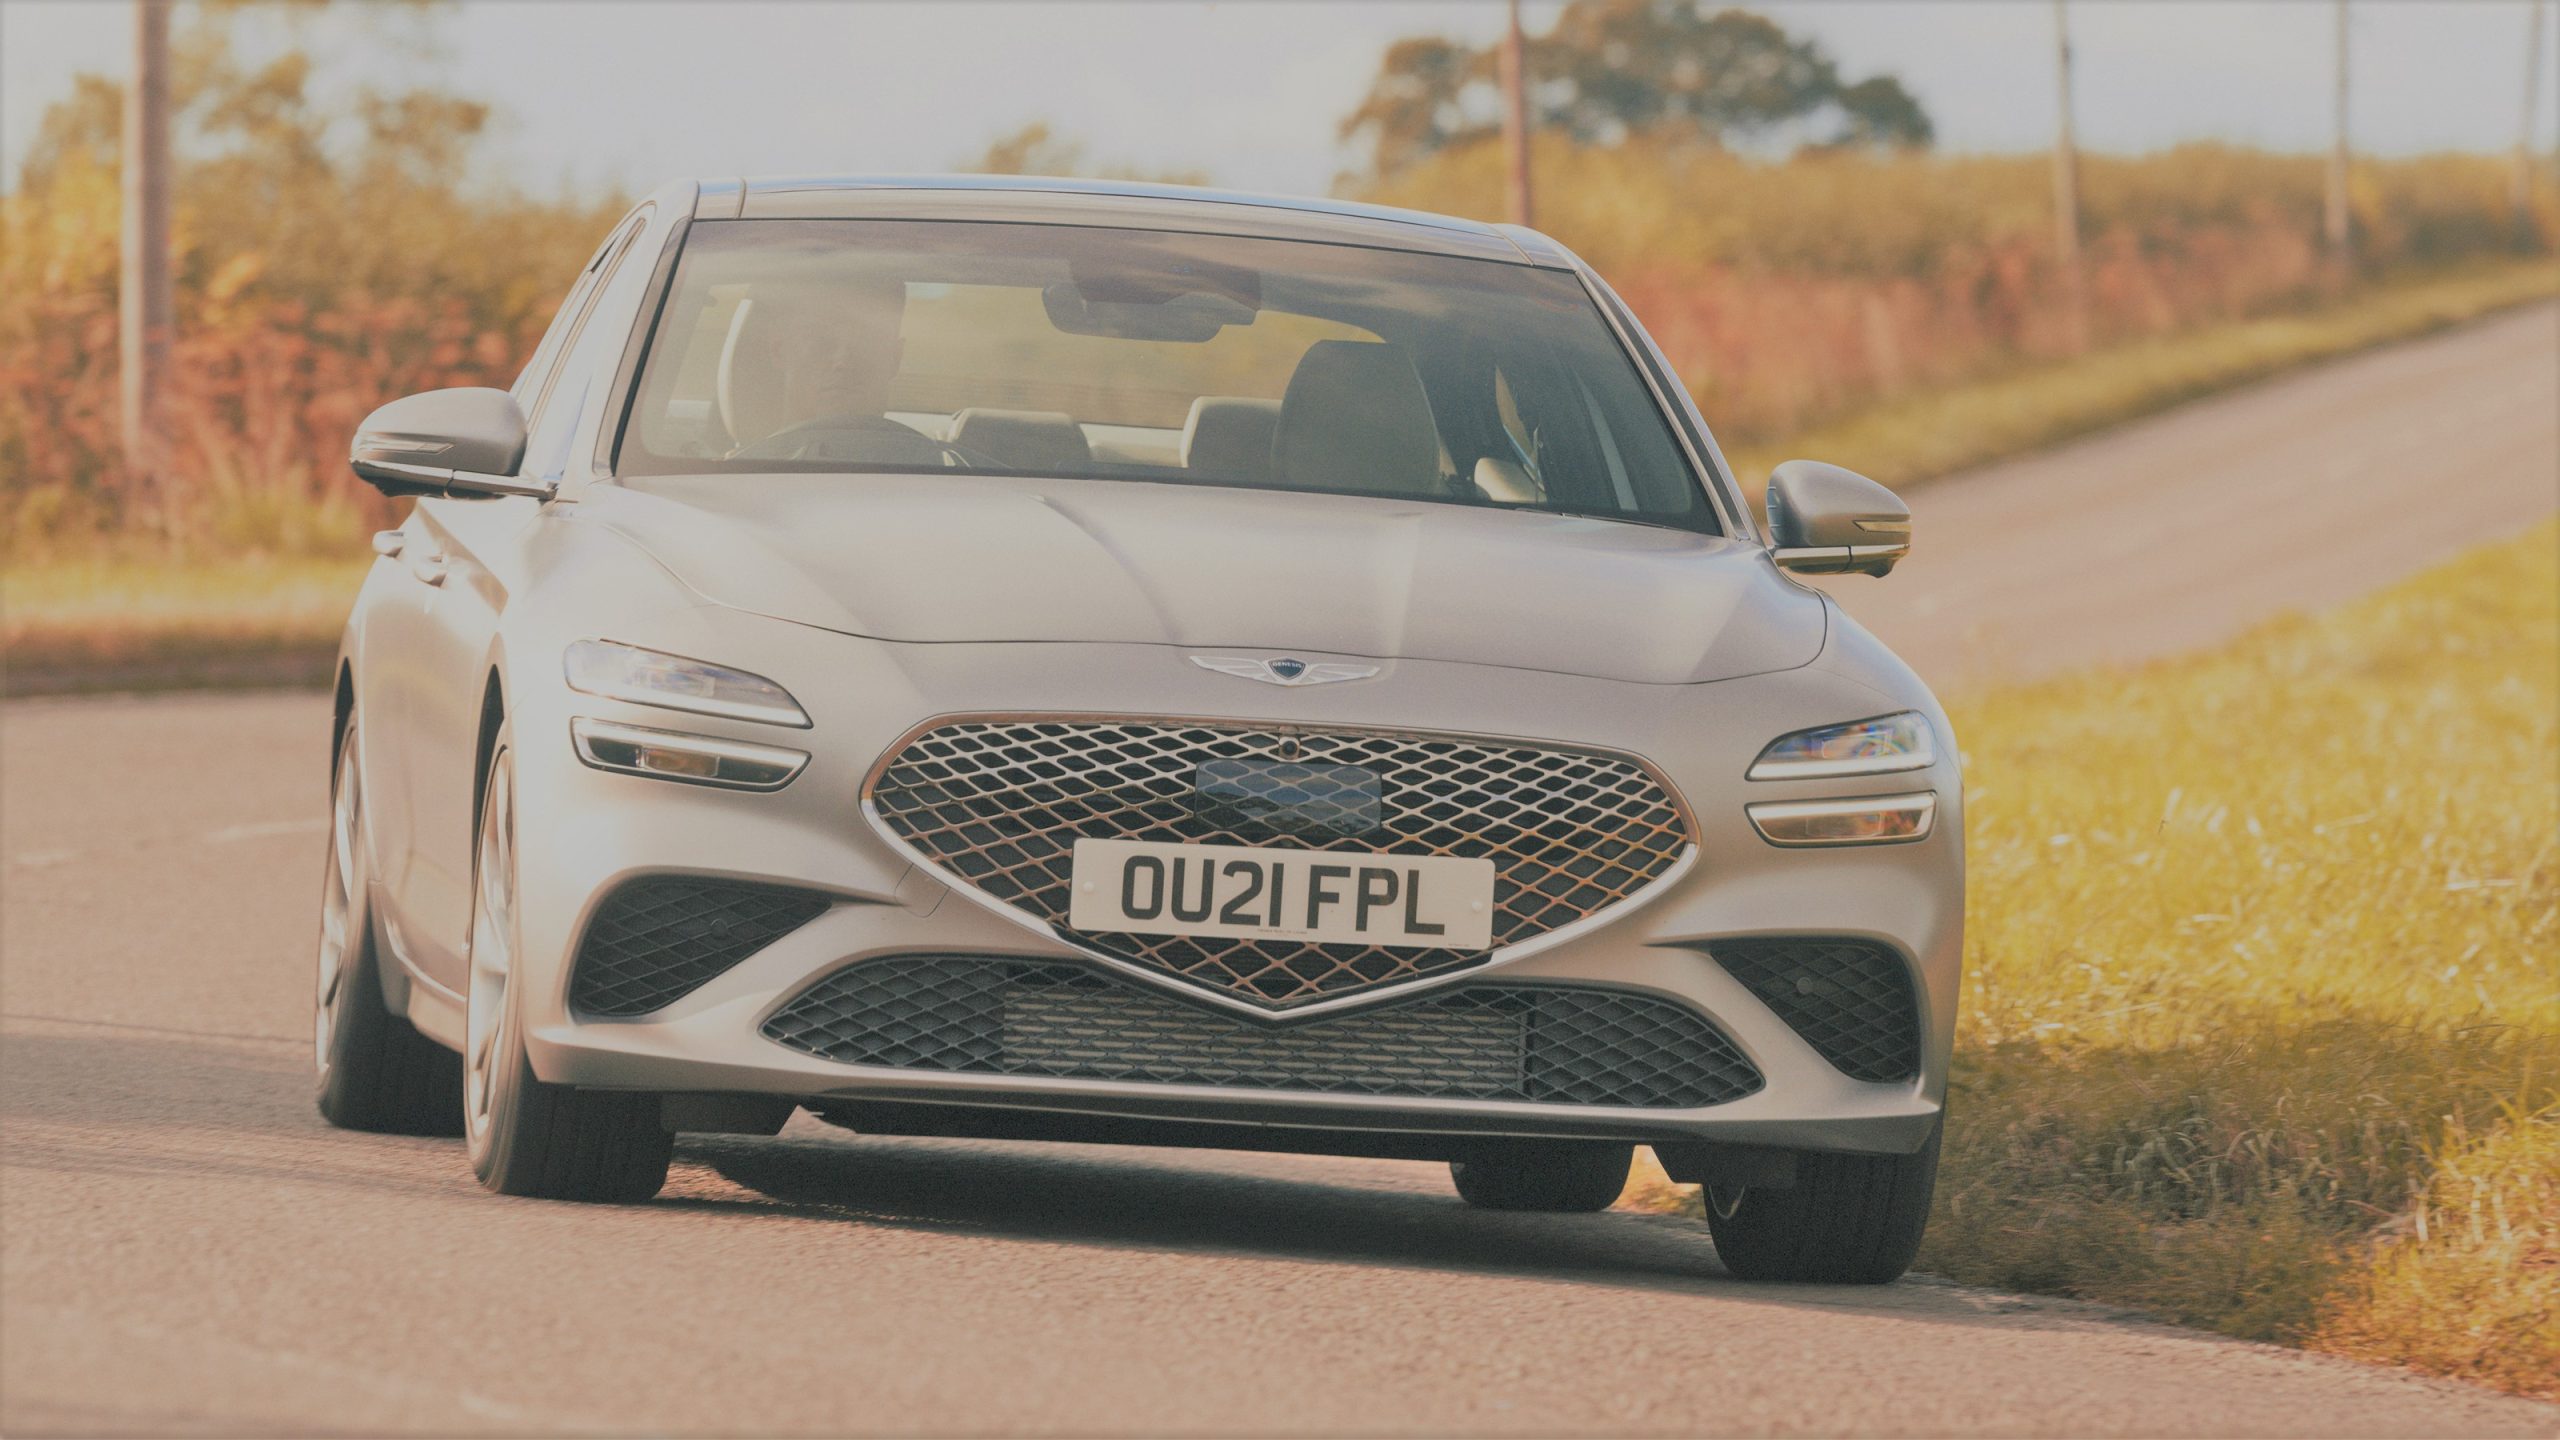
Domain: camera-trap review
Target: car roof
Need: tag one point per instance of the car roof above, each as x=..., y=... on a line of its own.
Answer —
x=1120, y=203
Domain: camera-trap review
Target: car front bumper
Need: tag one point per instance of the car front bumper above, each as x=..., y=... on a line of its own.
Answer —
x=583, y=831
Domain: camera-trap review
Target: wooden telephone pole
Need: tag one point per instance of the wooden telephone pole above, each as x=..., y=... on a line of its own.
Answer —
x=2066, y=191
x=143, y=297
x=1515, y=117
x=2520, y=184
x=2340, y=232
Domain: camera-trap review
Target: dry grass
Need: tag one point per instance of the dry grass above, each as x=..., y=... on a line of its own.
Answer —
x=111, y=623
x=1796, y=295
x=2261, y=1024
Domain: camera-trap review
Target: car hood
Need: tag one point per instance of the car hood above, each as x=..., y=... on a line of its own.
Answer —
x=1000, y=558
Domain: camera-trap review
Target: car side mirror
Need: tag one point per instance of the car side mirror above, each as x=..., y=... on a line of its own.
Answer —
x=1824, y=520
x=465, y=443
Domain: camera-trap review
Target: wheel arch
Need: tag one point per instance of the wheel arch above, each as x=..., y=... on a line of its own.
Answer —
x=342, y=710
x=493, y=714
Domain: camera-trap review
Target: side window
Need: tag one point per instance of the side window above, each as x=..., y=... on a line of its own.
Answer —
x=537, y=371
x=552, y=413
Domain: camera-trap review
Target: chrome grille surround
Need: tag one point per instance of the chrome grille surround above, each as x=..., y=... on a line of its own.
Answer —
x=995, y=804
x=1541, y=1042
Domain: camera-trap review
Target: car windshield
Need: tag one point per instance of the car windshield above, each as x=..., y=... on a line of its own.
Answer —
x=905, y=346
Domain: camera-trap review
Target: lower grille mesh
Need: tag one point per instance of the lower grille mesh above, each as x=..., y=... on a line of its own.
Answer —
x=1555, y=1044
x=1851, y=1000
x=656, y=940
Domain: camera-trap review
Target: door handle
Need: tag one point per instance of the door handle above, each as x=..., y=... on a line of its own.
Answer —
x=387, y=543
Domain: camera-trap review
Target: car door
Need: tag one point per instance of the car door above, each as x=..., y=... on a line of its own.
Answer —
x=461, y=557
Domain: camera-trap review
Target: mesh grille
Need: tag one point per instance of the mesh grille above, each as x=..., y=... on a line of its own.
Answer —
x=1553, y=1044
x=1851, y=1000
x=1002, y=803
x=654, y=941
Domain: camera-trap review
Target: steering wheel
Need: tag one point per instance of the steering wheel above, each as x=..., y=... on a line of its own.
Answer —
x=794, y=442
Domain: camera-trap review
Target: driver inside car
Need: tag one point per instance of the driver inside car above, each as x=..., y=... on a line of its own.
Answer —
x=805, y=375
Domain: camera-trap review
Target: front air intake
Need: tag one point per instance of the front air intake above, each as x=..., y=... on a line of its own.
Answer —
x=655, y=940
x=1851, y=1000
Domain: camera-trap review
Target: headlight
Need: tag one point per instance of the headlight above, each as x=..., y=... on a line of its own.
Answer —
x=671, y=682
x=1861, y=747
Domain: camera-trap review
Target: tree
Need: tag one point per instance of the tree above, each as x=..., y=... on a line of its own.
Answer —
x=1032, y=150
x=1611, y=70
x=1035, y=149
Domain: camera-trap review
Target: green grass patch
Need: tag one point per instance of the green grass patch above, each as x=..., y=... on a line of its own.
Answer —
x=2261, y=1010
x=113, y=623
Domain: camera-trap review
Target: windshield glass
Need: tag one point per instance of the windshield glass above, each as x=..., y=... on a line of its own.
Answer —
x=903, y=346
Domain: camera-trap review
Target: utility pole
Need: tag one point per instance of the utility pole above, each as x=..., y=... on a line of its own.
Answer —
x=2066, y=191
x=1515, y=117
x=2520, y=184
x=143, y=296
x=2341, y=237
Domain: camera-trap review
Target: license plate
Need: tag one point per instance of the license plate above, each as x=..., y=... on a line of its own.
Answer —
x=1140, y=887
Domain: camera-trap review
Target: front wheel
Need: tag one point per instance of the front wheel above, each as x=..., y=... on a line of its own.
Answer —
x=528, y=1137
x=1848, y=1219
x=374, y=1070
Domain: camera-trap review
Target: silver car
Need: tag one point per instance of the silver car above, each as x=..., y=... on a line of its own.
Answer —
x=1038, y=660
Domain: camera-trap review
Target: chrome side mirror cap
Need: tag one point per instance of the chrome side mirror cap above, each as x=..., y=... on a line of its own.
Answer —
x=1824, y=520
x=465, y=443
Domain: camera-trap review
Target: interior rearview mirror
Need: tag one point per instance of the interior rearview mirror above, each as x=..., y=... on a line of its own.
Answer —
x=1824, y=520
x=465, y=442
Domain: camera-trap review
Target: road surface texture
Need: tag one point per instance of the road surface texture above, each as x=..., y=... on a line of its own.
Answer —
x=188, y=1249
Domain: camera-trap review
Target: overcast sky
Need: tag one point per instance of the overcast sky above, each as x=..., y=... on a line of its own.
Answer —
x=593, y=93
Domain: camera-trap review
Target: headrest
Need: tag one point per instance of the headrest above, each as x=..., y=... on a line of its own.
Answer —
x=1022, y=439
x=1355, y=418
x=1229, y=437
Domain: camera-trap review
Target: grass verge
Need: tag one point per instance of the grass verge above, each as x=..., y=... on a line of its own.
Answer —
x=2261, y=1025
x=1921, y=437
x=103, y=624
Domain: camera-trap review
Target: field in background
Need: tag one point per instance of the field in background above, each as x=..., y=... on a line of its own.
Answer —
x=1808, y=298
x=104, y=622
x=1791, y=296
x=2261, y=1011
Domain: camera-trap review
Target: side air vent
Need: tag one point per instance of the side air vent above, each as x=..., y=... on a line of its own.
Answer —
x=656, y=940
x=1851, y=1000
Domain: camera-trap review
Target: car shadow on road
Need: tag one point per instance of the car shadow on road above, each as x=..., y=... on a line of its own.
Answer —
x=1214, y=1203
x=146, y=1102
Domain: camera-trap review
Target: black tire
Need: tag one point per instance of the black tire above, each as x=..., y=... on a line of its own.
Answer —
x=374, y=1070
x=533, y=1138
x=1848, y=1220
x=1561, y=1176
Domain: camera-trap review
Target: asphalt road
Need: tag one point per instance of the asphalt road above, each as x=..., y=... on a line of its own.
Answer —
x=2180, y=531
x=183, y=1246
